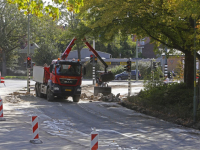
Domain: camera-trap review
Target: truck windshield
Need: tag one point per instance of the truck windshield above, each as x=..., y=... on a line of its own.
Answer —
x=70, y=70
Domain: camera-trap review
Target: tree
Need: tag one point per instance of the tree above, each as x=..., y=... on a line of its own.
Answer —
x=74, y=28
x=37, y=7
x=166, y=22
x=12, y=30
x=46, y=33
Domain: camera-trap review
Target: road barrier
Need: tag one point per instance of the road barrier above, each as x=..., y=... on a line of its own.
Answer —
x=2, y=78
x=1, y=110
x=35, y=127
x=94, y=140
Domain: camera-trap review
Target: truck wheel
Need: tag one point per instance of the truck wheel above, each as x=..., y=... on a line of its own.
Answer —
x=41, y=95
x=36, y=89
x=50, y=96
x=76, y=98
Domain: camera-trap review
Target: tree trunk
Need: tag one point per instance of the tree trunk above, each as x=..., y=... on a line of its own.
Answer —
x=189, y=70
x=4, y=71
x=79, y=53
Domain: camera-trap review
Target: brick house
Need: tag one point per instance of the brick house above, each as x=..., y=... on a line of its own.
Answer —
x=146, y=48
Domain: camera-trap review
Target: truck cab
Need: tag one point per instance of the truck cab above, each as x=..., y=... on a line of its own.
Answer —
x=62, y=79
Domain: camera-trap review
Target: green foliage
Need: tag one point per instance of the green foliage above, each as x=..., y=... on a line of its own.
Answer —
x=17, y=77
x=45, y=54
x=169, y=99
x=170, y=23
x=12, y=25
x=179, y=71
x=38, y=7
x=89, y=69
x=155, y=76
x=117, y=69
x=120, y=48
x=12, y=59
x=46, y=33
x=144, y=67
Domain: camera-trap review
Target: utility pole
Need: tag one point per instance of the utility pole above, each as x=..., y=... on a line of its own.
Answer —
x=194, y=98
x=166, y=66
x=128, y=69
x=137, y=60
x=93, y=65
x=28, y=53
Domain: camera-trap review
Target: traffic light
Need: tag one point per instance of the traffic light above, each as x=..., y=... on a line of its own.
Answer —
x=129, y=66
x=95, y=60
x=155, y=65
x=28, y=62
x=91, y=58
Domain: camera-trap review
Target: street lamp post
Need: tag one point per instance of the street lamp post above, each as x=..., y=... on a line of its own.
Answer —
x=137, y=60
x=28, y=53
x=93, y=66
x=194, y=98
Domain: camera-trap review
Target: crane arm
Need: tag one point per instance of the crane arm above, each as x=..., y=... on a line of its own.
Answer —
x=72, y=43
x=96, y=54
x=68, y=49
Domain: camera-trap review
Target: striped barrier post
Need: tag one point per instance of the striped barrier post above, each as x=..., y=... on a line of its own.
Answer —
x=1, y=110
x=166, y=70
x=94, y=140
x=93, y=74
x=29, y=78
x=35, y=128
x=2, y=78
x=129, y=84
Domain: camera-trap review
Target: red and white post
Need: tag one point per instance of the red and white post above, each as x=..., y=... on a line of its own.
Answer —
x=1, y=110
x=94, y=140
x=35, y=128
x=2, y=78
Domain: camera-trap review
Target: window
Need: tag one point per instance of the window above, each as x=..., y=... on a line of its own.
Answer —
x=68, y=69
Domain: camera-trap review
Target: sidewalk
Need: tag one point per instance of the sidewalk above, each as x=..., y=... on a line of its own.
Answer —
x=16, y=131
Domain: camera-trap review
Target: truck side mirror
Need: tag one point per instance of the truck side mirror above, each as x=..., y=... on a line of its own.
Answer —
x=51, y=68
x=84, y=70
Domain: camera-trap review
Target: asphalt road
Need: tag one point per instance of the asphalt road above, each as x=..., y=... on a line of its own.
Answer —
x=14, y=85
x=67, y=125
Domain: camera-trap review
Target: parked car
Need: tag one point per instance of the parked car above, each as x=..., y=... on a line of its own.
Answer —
x=124, y=75
x=133, y=74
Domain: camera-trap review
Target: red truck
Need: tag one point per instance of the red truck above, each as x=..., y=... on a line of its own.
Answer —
x=63, y=77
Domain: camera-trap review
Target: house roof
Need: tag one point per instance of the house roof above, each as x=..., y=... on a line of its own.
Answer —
x=85, y=52
x=32, y=47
